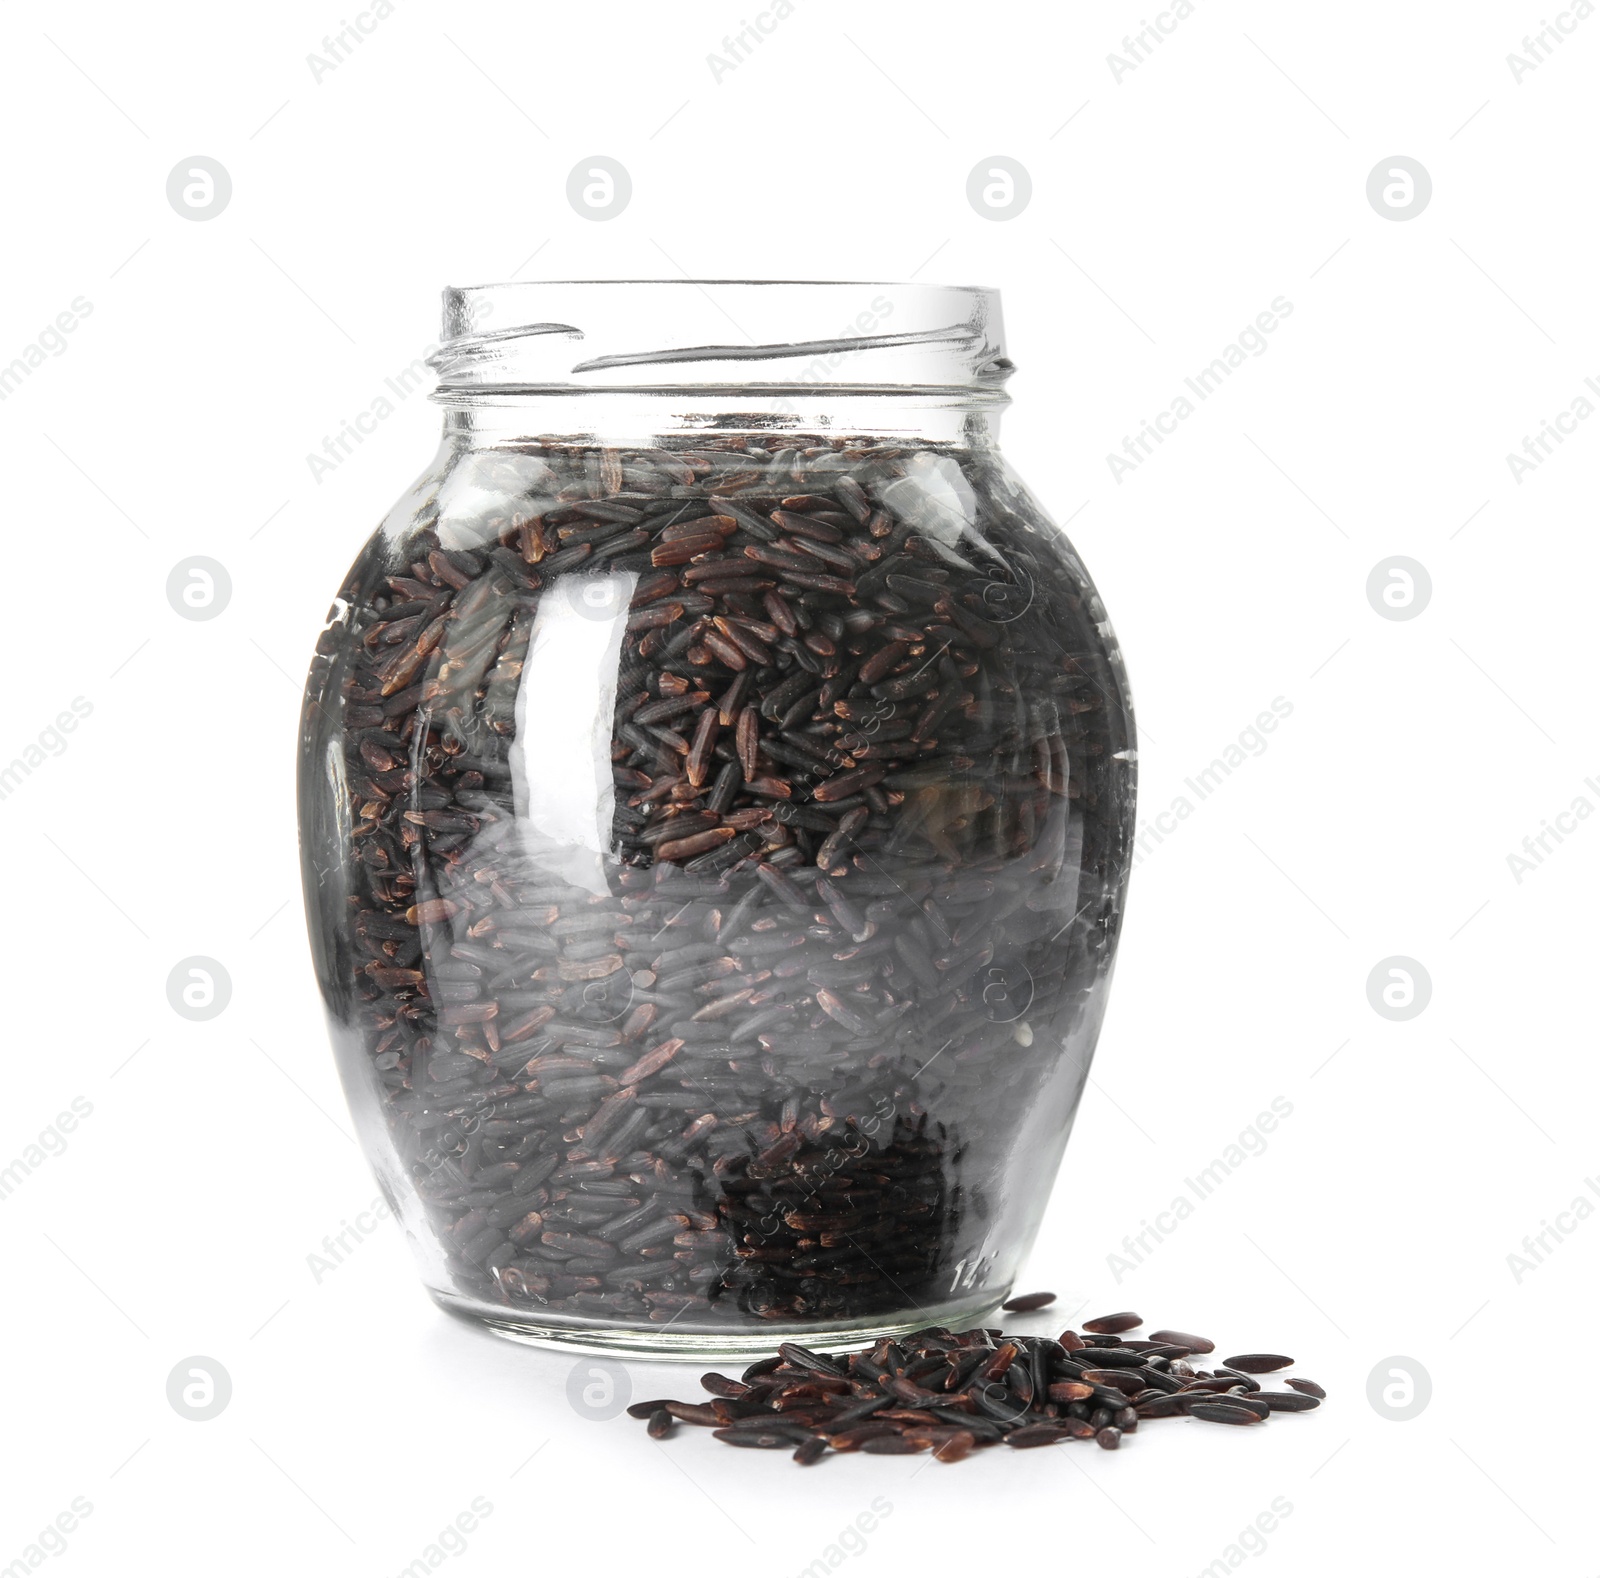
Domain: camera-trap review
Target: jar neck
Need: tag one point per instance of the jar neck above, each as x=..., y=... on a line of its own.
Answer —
x=629, y=418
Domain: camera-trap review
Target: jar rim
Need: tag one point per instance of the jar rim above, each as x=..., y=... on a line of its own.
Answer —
x=865, y=284
x=657, y=335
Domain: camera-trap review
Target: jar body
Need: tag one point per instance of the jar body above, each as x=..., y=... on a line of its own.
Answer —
x=715, y=845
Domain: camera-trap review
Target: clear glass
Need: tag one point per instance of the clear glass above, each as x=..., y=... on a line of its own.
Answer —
x=717, y=792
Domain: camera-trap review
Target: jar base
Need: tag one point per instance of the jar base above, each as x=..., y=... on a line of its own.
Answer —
x=691, y=1346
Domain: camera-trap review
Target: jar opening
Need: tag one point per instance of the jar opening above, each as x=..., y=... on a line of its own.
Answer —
x=569, y=336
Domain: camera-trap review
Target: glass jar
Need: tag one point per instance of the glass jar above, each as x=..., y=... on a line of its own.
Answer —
x=716, y=793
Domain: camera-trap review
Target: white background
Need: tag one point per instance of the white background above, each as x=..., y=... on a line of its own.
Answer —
x=1168, y=209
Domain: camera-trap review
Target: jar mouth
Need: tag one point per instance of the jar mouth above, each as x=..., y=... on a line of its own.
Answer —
x=776, y=336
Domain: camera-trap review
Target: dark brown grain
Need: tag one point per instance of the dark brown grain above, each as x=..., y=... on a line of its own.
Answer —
x=1028, y=1301
x=1224, y=1413
x=1125, y=1321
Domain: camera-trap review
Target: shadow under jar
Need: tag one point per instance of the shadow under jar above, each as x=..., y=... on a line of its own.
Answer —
x=716, y=794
